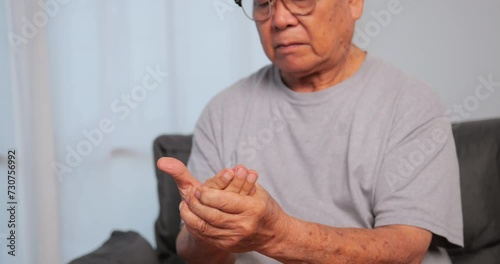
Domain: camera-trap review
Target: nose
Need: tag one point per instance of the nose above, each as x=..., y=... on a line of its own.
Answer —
x=281, y=17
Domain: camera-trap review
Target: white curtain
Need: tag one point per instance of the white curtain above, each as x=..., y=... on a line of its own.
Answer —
x=34, y=228
x=90, y=85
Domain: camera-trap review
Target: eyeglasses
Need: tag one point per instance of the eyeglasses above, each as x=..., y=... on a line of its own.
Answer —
x=261, y=10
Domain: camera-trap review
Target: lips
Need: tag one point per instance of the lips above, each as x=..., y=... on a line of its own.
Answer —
x=287, y=44
x=288, y=48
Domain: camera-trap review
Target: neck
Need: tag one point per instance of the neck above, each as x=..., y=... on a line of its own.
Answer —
x=324, y=78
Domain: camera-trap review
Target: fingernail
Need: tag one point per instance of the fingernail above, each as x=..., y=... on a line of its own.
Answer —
x=187, y=199
x=227, y=176
x=240, y=173
x=252, y=178
x=197, y=194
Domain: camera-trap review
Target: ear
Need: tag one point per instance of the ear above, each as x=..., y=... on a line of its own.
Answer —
x=356, y=7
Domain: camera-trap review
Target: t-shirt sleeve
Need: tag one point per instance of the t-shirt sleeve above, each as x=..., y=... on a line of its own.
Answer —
x=418, y=183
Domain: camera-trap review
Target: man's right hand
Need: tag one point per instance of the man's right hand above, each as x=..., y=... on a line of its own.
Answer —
x=186, y=183
x=237, y=180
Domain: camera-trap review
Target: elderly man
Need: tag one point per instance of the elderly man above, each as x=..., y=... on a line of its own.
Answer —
x=356, y=160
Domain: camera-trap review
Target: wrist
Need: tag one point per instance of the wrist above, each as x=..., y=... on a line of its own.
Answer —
x=193, y=250
x=280, y=233
x=205, y=247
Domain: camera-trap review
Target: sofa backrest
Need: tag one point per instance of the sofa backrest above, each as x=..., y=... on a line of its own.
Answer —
x=167, y=226
x=478, y=152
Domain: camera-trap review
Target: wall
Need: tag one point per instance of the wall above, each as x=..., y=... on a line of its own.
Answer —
x=451, y=45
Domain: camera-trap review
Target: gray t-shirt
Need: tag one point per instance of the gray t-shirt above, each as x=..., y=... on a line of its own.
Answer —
x=374, y=150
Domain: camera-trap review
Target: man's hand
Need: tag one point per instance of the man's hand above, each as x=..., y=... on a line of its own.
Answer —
x=233, y=222
x=239, y=181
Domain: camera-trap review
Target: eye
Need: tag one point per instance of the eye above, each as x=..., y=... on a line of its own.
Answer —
x=301, y=3
x=261, y=3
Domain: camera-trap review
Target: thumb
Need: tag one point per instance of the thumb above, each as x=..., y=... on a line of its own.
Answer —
x=179, y=173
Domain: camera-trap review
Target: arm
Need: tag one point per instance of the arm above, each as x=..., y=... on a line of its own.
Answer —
x=314, y=243
x=257, y=223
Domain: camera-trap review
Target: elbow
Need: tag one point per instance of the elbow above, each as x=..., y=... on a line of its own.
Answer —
x=419, y=249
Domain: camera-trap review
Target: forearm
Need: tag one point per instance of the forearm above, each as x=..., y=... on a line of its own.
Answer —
x=193, y=252
x=306, y=242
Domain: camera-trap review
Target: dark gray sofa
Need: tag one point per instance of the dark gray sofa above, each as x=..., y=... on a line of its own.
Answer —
x=478, y=151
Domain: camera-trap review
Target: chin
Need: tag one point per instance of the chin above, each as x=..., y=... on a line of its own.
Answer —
x=293, y=66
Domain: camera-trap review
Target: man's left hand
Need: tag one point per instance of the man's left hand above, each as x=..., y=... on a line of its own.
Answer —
x=234, y=222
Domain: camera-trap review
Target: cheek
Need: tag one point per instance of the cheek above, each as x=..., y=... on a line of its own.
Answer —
x=266, y=40
x=320, y=37
x=329, y=36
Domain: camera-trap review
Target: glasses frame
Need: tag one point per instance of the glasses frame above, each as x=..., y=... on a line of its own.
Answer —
x=271, y=3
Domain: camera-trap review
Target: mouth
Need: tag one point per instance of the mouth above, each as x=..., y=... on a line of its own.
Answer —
x=288, y=48
x=288, y=45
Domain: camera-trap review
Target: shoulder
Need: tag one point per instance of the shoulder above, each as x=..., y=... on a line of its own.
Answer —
x=399, y=103
x=410, y=97
x=391, y=79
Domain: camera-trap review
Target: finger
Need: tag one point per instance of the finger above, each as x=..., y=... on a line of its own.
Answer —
x=237, y=183
x=179, y=173
x=195, y=224
x=212, y=216
x=204, y=232
x=228, y=202
x=252, y=191
x=249, y=183
x=221, y=180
